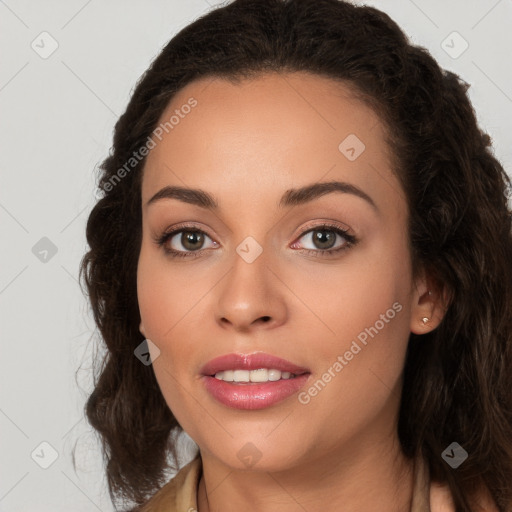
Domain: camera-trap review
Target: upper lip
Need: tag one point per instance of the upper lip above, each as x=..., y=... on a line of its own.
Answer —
x=250, y=362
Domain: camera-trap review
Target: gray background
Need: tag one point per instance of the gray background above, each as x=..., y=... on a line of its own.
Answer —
x=57, y=117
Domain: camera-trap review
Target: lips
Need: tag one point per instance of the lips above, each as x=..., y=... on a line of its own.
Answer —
x=250, y=362
x=252, y=395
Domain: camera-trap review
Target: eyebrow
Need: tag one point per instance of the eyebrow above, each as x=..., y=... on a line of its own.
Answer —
x=292, y=197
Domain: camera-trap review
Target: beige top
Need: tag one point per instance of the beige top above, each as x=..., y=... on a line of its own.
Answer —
x=180, y=493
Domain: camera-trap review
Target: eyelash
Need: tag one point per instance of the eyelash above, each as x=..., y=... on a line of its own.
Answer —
x=160, y=240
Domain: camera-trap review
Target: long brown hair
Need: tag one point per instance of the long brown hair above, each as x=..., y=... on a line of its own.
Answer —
x=457, y=378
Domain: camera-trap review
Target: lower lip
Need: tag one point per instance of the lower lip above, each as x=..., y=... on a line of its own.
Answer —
x=253, y=395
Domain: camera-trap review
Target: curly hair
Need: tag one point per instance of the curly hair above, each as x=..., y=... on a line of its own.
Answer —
x=458, y=378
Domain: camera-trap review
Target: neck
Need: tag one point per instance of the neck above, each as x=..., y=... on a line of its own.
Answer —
x=348, y=480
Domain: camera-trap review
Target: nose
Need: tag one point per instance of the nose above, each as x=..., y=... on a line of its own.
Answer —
x=251, y=297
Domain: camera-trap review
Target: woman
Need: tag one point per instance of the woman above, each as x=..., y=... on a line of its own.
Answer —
x=306, y=233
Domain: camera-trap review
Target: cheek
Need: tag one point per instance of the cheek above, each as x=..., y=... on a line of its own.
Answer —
x=153, y=299
x=345, y=299
x=170, y=308
x=163, y=309
x=174, y=387
x=163, y=294
x=364, y=313
x=358, y=374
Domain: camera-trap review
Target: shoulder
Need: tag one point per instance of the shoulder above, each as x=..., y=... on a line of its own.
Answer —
x=179, y=494
x=441, y=500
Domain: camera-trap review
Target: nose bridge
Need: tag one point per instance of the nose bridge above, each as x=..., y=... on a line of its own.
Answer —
x=248, y=278
x=250, y=291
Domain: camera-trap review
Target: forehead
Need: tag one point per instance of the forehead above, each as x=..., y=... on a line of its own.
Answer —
x=265, y=133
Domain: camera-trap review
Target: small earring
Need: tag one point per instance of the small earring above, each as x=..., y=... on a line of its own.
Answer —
x=424, y=320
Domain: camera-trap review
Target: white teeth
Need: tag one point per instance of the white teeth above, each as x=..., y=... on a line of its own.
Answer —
x=260, y=375
x=228, y=375
x=241, y=376
x=274, y=375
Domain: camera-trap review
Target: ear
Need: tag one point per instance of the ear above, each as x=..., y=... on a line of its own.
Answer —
x=142, y=331
x=430, y=301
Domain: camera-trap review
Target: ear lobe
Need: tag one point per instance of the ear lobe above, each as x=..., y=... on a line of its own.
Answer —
x=141, y=329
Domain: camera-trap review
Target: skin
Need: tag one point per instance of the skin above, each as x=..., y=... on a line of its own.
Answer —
x=246, y=144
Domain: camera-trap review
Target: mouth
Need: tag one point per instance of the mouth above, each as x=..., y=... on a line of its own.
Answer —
x=252, y=381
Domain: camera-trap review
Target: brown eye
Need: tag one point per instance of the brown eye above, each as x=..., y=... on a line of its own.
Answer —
x=192, y=240
x=188, y=242
x=324, y=238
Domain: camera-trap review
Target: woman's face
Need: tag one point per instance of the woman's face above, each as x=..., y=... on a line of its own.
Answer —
x=262, y=273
